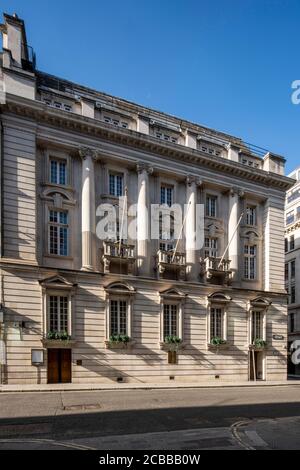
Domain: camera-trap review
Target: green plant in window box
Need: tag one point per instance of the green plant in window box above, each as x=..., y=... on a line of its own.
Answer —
x=58, y=335
x=117, y=338
x=172, y=342
x=217, y=341
x=259, y=343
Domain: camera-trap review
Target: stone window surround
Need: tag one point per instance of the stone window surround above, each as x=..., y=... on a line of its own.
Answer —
x=60, y=202
x=257, y=305
x=58, y=286
x=218, y=300
x=119, y=291
x=175, y=297
x=59, y=156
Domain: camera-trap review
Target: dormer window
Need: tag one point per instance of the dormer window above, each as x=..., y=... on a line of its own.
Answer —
x=167, y=137
x=57, y=104
x=116, y=122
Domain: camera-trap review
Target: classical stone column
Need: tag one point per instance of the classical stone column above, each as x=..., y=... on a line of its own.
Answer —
x=190, y=229
x=233, y=231
x=143, y=211
x=88, y=209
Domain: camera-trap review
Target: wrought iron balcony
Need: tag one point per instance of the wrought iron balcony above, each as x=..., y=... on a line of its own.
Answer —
x=115, y=251
x=168, y=260
x=213, y=267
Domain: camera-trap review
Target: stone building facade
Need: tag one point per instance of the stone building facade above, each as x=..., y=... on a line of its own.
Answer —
x=75, y=307
x=292, y=266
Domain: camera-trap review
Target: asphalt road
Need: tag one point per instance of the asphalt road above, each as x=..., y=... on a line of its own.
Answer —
x=229, y=418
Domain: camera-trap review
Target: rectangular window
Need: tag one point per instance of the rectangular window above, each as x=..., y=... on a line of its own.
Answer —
x=292, y=294
x=58, y=313
x=116, y=184
x=211, y=247
x=256, y=326
x=251, y=215
x=292, y=269
x=211, y=206
x=118, y=317
x=289, y=218
x=286, y=272
x=58, y=171
x=166, y=195
x=286, y=246
x=292, y=242
x=216, y=320
x=292, y=322
x=170, y=320
x=250, y=261
x=58, y=232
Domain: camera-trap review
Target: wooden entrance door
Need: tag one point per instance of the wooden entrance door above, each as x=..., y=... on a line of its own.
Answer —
x=59, y=366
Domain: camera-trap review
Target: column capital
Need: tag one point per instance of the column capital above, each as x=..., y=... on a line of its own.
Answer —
x=191, y=179
x=86, y=152
x=235, y=191
x=141, y=166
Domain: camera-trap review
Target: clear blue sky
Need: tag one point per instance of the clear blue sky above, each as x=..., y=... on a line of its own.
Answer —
x=226, y=64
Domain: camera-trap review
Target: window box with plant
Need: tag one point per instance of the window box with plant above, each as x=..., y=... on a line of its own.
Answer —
x=119, y=341
x=172, y=343
x=58, y=339
x=258, y=344
x=216, y=342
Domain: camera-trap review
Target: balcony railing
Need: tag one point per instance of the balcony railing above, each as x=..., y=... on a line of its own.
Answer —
x=213, y=267
x=167, y=260
x=122, y=252
x=118, y=250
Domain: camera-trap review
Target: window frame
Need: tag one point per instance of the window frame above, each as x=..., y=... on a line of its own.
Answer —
x=208, y=206
x=58, y=225
x=115, y=175
x=120, y=292
x=251, y=218
x=172, y=297
x=58, y=161
x=248, y=256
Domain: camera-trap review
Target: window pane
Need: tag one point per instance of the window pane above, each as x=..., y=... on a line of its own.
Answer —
x=112, y=185
x=63, y=241
x=64, y=314
x=53, y=242
x=62, y=173
x=53, y=172
x=53, y=313
x=123, y=317
x=113, y=317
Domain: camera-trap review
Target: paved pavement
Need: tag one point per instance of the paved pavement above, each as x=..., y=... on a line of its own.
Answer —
x=229, y=418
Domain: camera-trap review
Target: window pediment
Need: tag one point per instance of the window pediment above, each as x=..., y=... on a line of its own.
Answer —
x=218, y=297
x=121, y=288
x=259, y=303
x=57, y=282
x=172, y=294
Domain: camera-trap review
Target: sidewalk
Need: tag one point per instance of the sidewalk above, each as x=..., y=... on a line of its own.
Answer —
x=139, y=386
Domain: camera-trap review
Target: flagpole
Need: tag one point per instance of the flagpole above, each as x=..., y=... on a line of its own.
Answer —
x=228, y=245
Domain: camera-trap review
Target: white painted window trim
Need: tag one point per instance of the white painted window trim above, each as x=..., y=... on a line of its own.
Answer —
x=263, y=311
x=47, y=292
x=180, y=317
x=129, y=300
x=223, y=307
x=58, y=156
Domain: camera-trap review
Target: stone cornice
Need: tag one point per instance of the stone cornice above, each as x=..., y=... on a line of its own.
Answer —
x=77, y=123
